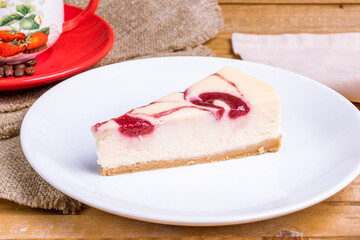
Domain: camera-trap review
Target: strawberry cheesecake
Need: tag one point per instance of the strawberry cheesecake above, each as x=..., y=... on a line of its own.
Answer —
x=227, y=115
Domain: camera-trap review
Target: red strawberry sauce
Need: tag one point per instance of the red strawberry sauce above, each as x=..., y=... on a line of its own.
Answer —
x=133, y=126
x=237, y=106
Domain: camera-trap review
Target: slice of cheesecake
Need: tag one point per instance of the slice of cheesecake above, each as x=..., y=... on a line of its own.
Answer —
x=226, y=115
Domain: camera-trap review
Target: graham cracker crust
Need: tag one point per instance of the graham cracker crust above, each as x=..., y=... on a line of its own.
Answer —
x=270, y=145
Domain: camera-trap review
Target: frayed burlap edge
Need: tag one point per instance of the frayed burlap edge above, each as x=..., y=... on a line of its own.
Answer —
x=16, y=100
x=17, y=185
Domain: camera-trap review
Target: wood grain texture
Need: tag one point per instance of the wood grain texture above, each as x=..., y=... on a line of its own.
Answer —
x=357, y=105
x=335, y=218
x=320, y=220
x=276, y=19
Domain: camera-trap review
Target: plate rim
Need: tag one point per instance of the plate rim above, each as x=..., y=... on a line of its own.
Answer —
x=171, y=221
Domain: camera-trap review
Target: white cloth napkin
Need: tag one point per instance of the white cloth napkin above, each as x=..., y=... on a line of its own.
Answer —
x=332, y=59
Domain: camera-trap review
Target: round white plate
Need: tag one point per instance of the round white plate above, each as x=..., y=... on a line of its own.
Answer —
x=319, y=154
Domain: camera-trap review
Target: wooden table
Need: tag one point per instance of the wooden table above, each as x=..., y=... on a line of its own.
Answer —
x=335, y=218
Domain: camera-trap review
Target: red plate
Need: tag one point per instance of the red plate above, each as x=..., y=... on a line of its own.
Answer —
x=73, y=52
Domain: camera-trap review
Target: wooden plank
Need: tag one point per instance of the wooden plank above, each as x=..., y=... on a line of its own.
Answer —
x=276, y=19
x=289, y=2
x=358, y=106
x=220, y=44
x=349, y=195
x=320, y=220
x=11, y=208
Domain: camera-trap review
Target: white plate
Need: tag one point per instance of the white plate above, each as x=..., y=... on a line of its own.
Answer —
x=319, y=154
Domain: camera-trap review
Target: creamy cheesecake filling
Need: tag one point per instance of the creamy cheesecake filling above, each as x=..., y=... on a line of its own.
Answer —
x=214, y=115
x=208, y=136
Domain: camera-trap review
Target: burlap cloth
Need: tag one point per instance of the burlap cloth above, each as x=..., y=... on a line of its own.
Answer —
x=143, y=28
